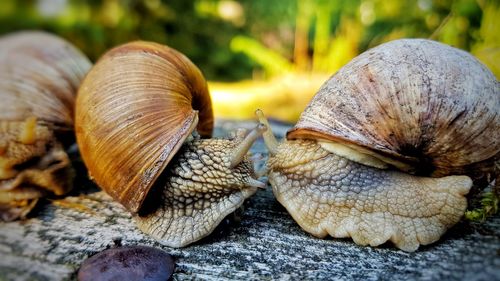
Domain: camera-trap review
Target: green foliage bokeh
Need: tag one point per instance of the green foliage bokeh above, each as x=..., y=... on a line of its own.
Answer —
x=204, y=29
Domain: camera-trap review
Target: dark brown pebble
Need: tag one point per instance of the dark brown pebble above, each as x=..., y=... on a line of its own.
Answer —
x=128, y=263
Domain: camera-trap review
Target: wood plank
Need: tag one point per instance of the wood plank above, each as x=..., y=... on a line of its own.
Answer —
x=265, y=244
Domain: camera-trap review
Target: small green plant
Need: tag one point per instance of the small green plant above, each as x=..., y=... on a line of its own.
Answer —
x=489, y=207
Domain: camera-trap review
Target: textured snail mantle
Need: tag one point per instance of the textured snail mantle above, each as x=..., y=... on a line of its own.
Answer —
x=136, y=111
x=364, y=158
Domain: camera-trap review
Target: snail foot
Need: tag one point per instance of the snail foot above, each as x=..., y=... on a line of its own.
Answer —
x=329, y=194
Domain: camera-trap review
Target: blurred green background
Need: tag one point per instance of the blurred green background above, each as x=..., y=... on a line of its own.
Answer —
x=268, y=54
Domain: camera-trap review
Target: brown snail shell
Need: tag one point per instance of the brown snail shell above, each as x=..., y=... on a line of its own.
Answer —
x=156, y=96
x=364, y=157
x=39, y=77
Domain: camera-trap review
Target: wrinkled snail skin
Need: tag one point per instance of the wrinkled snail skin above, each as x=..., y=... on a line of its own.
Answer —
x=39, y=77
x=329, y=194
x=200, y=190
x=383, y=150
x=50, y=171
x=138, y=113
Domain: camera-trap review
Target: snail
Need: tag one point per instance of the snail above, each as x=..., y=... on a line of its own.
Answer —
x=137, y=114
x=385, y=149
x=39, y=77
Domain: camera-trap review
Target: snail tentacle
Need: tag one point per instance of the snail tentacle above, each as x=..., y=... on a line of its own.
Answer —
x=244, y=146
x=269, y=138
x=255, y=183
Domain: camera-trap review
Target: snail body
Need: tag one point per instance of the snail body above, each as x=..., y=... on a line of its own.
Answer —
x=383, y=150
x=39, y=77
x=143, y=113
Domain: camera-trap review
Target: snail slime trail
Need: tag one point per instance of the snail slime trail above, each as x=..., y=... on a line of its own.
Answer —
x=386, y=148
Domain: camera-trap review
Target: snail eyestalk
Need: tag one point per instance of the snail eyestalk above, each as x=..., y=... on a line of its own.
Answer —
x=269, y=138
x=244, y=146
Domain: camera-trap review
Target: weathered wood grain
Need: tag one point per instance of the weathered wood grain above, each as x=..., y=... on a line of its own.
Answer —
x=265, y=244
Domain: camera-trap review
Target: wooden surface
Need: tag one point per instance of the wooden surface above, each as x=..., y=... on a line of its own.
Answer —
x=260, y=243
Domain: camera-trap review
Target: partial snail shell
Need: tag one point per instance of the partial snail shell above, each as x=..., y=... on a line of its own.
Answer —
x=134, y=110
x=420, y=106
x=436, y=110
x=39, y=77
